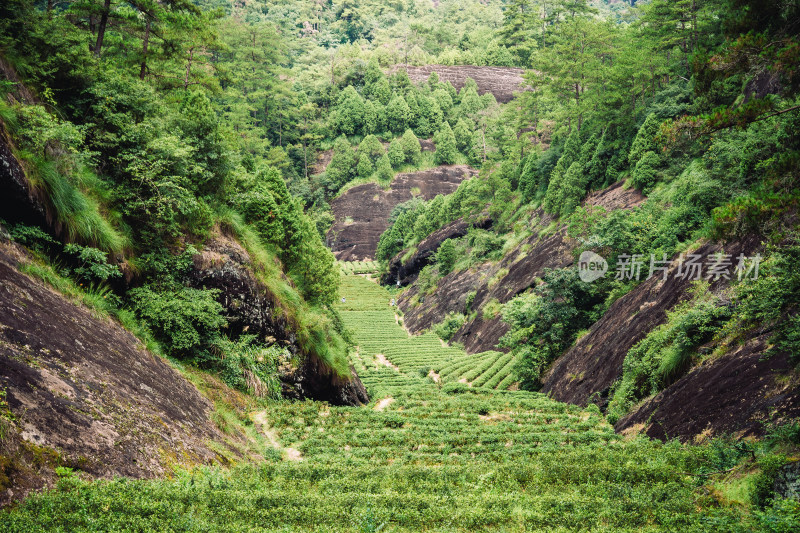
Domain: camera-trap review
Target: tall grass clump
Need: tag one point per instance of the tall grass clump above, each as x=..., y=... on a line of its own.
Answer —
x=667, y=351
x=76, y=214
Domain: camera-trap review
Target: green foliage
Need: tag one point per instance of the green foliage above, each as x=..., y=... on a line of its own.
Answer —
x=395, y=153
x=554, y=199
x=463, y=135
x=341, y=169
x=398, y=114
x=446, y=256
x=645, y=174
x=91, y=264
x=448, y=327
x=348, y=117
x=186, y=321
x=666, y=352
x=384, y=170
x=245, y=365
x=771, y=300
x=645, y=140
x=198, y=122
x=446, y=148
x=365, y=168
x=544, y=322
x=411, y=147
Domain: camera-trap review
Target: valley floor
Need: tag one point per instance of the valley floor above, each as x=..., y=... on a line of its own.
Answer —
x=425, y=455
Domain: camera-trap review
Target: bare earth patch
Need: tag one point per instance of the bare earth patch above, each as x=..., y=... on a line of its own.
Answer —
x=381, y=359
x=383, y=404
x=495, y=417
x=260, y=418
x=434, y=376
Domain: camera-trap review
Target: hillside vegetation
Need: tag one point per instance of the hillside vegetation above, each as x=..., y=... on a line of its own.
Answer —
x=703, y=122
x=182, y=172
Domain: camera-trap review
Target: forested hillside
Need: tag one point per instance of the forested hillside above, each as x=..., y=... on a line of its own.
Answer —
x=556, y=239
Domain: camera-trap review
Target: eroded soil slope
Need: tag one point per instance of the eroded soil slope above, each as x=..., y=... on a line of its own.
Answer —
x=502, y=82
x=362, y=213
x=84, y=393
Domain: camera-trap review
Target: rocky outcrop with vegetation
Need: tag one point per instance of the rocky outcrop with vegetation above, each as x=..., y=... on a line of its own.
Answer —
x=491, y=284
x=502, y=82
x=250, y=308
x=80, y=392
x=361, y=214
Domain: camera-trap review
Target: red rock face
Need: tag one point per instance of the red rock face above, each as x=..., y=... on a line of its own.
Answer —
x=362, y=213
x=502, y=82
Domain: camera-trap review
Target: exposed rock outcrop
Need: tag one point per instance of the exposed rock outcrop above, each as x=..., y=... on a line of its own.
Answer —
x=18, y=202
x=406, y=272
x=362, y=213
x=733, y=393
x=736, y=394
x=249, y=307
x=84, y=393
x=519, y=270
x=502, y=82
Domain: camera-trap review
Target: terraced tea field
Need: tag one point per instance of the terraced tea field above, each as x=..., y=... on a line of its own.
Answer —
x=423, y=456
x=382, y=342
x=358, y=267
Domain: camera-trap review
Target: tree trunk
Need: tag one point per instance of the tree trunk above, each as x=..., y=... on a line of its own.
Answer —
x=188, y=69
x=146, y=42
x=101, y=30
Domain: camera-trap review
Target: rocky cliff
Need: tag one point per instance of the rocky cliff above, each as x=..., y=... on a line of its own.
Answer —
x=362, y=212
x=249, y=307
x=82, y=392
x=502, y=82
x=500, y=281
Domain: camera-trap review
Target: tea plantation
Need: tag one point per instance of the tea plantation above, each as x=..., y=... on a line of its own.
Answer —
x=368, y=312
x=425, y=455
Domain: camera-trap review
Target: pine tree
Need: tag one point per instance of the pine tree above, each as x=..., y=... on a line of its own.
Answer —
x=383, y=169
x=371, y=122
x=349, y=112
x=471, y=103
x=446, y=150
x=365, y=168
x=414, y=111
x=411, y=147
x=446, y=256
x=433, y=81
x=395, y=153
x=341, y=168
x=371, y=147
x=645, y=139
x=463, y=135
x=573, y=188
x=644, y=175
x=554, y=197
x=398, y=114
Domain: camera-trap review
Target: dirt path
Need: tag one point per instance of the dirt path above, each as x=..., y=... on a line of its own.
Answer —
x=381, y=359
x=260, y=418
x=383, y=404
